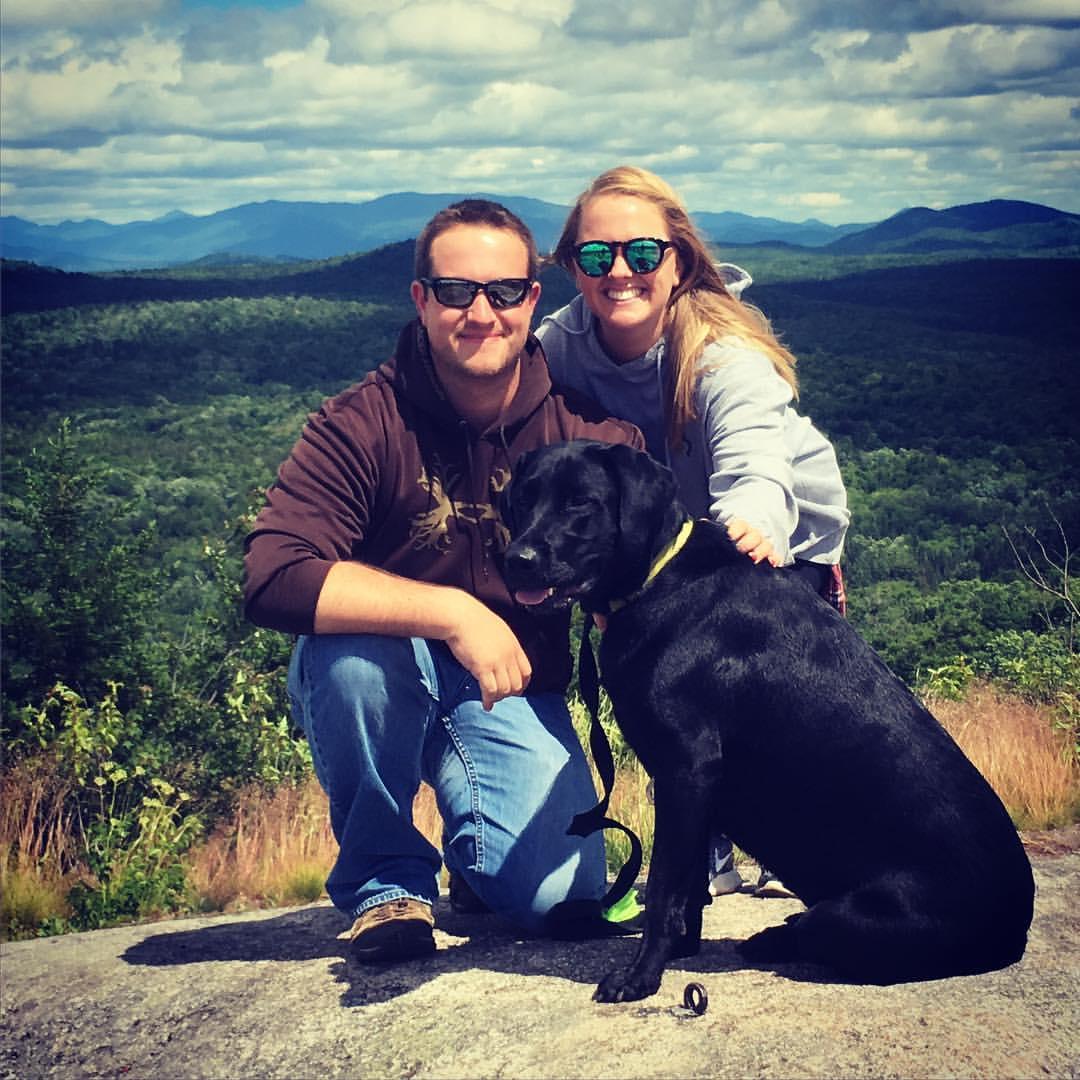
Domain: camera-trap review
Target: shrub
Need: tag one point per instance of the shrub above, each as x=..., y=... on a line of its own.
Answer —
x=133, y=846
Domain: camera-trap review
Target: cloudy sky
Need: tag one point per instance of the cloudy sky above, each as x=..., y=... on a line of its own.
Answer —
x=843, y=111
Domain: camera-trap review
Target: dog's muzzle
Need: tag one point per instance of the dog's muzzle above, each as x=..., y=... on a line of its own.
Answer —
x=525, y=572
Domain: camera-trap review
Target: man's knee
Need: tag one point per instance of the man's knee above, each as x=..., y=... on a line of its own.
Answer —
x=526, y=892
x=358, y=674
x=354, y=661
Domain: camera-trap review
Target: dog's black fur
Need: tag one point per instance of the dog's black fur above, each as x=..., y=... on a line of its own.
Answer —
x=761, y=714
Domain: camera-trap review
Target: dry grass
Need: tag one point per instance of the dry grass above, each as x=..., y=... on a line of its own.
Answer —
x=38, y=861
x=276, y=849
x=426, y=816
x=1015, y=746
x=35, y=827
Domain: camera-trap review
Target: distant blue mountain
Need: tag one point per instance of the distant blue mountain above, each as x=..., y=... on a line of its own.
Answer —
x=267, y=230
x=731, y=228
x=307, y=230
x=993, y=227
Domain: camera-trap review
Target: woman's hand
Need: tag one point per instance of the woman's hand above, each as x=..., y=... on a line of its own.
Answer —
x=752, y=541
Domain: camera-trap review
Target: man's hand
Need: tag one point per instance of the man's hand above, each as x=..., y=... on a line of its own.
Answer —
x=751, y=541
x=359, y=599
x=489, y=650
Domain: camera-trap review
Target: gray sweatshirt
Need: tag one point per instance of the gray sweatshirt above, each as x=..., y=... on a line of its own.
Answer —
x=747, y=454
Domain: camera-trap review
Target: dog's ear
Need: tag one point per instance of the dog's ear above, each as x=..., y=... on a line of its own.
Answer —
x=505, y=509
x=649, y=512
x=506, y=496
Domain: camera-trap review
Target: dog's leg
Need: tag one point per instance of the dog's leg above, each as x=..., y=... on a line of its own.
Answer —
x=774, y=944
x=895, y=928
x=675, y=893
x=880, y=927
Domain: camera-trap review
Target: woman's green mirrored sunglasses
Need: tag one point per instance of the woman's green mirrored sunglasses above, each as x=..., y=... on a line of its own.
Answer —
x=643, y=255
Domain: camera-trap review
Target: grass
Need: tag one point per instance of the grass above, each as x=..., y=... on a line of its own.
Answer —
x=277, y=847
x=38, y=858
x=1026, y=759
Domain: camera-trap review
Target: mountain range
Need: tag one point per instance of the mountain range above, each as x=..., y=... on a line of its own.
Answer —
x=307, y=230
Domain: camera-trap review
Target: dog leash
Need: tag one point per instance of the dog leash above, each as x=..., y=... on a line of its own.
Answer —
x=589, y=681
x=597, y=818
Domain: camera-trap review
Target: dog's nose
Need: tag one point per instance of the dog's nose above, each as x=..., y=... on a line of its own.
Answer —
x=521, y=560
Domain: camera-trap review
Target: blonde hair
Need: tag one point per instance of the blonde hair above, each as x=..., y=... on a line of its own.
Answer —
x=700, y=309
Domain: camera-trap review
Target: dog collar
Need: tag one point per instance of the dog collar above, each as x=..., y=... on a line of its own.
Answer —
x=666, y=555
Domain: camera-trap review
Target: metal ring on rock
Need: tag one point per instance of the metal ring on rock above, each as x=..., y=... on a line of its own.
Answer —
x=695, y=998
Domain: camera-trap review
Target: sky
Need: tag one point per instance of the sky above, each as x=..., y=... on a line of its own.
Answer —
x=847, y=112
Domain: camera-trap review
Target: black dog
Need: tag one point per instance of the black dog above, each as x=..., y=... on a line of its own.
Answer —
x=725, y=675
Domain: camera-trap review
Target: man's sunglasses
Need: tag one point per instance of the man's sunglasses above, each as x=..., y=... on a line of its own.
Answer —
x=643, y=255
x=460, y=292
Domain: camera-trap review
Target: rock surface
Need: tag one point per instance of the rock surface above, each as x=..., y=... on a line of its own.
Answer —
x=271, y=994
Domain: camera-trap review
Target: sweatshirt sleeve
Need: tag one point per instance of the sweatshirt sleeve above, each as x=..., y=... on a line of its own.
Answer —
x=742, y=403
x=316, y=514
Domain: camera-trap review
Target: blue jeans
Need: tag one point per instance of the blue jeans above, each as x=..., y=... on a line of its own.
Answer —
x=383, y=713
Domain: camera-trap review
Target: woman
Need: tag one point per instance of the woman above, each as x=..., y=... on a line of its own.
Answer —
x=660, y=336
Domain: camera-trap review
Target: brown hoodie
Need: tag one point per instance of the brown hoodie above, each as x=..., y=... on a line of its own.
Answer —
x=387, y=473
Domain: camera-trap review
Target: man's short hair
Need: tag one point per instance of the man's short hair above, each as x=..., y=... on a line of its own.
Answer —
x=472, y=212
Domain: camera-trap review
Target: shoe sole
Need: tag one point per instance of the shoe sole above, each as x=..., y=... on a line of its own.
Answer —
x=389, y=943
x=725, y=883
x=774, y=891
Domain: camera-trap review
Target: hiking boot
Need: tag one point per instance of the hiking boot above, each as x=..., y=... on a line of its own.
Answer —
x=770, y=885
x=463, y=900
x=396, y=930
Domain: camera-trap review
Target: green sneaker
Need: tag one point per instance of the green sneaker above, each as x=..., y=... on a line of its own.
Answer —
x=628, y=913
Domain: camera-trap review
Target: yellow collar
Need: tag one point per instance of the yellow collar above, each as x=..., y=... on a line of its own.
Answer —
x=670, y=551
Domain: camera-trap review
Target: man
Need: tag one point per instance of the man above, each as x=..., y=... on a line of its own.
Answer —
x=379, y=545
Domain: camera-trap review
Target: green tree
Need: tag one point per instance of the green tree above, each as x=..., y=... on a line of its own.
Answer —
x=78, y=586
x=220, y=691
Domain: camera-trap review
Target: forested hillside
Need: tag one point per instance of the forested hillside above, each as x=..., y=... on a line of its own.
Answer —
x=143, y=417
x=950, y=389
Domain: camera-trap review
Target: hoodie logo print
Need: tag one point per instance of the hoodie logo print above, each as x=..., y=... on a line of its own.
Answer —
x=432, y=529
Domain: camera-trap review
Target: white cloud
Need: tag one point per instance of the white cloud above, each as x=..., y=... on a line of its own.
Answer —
x=852, y=109
x=973, y=60
x=459, y=28
x=1025, y=11
x=631, y=22
x=95, y=94
x=439, y=32
x=821, y=199
x=53, y=13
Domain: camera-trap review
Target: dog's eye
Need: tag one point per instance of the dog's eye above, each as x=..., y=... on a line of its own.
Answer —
x=579, y=502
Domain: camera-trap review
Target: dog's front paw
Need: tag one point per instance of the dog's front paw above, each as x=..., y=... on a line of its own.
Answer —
x=629, y=984
x=775, y=945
